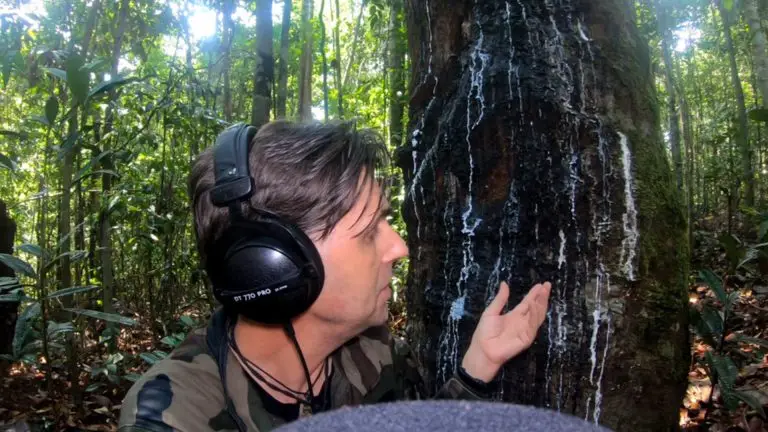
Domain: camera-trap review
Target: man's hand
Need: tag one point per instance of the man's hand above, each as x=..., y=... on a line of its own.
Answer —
x=498, y=338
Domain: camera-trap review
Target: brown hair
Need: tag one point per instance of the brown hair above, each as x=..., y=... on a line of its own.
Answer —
x=307, y=173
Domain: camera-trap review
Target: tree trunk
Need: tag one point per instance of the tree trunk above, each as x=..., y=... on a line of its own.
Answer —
x=8, y=310
x=228, y=35
x=742, y=138
x=325, y=59
x=396, y=74
x=282, y=86
x=539, y=157
x=305, y=64
x=337, y=62
x=264, y=76
x=355, y=38
x=759, y=55
x=105, y=227
x=669, y=74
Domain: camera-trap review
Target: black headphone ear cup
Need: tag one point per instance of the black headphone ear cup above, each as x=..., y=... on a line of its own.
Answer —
x=266, y=271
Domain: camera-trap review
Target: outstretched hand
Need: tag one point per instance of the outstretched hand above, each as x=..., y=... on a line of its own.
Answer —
x=500, y=337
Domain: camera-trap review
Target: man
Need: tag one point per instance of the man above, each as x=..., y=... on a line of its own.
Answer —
x=243, y=374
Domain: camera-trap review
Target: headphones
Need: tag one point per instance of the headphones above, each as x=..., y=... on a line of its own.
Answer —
x=266, y=269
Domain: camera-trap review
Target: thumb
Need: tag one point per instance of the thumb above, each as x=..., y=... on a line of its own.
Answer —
x=498, y=303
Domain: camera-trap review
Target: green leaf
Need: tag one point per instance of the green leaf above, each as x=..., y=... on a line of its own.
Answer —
x=750, y=400
x=75, y=256
x=6, y=162
x=94, y=65
x=732, y=299
x=17, y=265
x=16, y=297
x=713, y=321
x=188, y=321
x=728, y=4
x=763, y=229
x=110, y=85
x=132, y=377
x=24, y=328
x=71, y=290
x=93, y=387
x=31, y=249
x=55, y=328
x=77, y=79
x=759, y=114
x=103, y=316
x=150, y=358
x=58, y=73
x=51, y=109
x=93, y=173
x=752, y=340
x=715, y=284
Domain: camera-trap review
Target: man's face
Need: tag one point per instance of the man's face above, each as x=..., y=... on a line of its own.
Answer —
x=359, y=255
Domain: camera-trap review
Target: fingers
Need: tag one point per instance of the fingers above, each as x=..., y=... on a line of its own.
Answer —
x=498, y=303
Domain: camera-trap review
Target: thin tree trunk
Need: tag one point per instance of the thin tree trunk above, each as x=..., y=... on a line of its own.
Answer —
x=9, y=311
x=105, y=228
x=396, y=73
x=282, y=86
x=325, y=59
x=228, y=7
x=337, y=61
x=669, y=75
x=742, y=139
x=264, y=76
x=356, y=37
x=305, y=65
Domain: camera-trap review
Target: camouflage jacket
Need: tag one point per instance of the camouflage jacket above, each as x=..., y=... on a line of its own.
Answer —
x=201, y=386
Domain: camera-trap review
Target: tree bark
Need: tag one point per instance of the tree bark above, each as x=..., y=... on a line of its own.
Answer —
x=305, y=64
x=282, y=86
x=535, y=154
x=337, y=62
x=742, y=138
x=325, y=59
x=757, y=34
x=105, y=227
x=669, y=75
x=355, y=38
x=8, y=310
x=264, y=76
x=396, y=74
x=228, y=7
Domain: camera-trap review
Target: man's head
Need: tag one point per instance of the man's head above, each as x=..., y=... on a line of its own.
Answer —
x=323, y=178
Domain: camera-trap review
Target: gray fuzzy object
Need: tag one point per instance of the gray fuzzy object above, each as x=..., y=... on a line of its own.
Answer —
x=441, y=415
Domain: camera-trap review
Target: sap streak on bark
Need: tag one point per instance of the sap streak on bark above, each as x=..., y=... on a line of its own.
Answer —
x=535, y=154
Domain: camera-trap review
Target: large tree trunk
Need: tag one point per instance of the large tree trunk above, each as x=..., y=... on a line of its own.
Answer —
x=8, y=310
x=742, y=138
x=264, y=75
x=757, y=34
x=536, y=154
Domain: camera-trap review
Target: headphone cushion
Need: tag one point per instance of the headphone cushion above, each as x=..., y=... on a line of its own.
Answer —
x=265, y=271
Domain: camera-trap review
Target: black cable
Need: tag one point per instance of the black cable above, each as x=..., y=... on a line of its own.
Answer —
x=309, y=397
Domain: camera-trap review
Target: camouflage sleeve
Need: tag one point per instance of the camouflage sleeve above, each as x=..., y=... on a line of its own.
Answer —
x=180, y=393
x=459, y=386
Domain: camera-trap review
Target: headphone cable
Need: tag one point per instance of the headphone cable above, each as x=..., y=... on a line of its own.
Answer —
x=308, y=397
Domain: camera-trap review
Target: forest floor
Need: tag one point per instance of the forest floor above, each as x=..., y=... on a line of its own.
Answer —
x=28, y=402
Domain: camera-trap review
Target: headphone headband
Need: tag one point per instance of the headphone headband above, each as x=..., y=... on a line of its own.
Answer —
x=233, y=179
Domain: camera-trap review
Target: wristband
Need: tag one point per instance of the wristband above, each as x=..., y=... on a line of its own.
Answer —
x=474, y=383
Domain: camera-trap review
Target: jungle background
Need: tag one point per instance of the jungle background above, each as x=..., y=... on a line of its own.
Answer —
x=104, y=106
